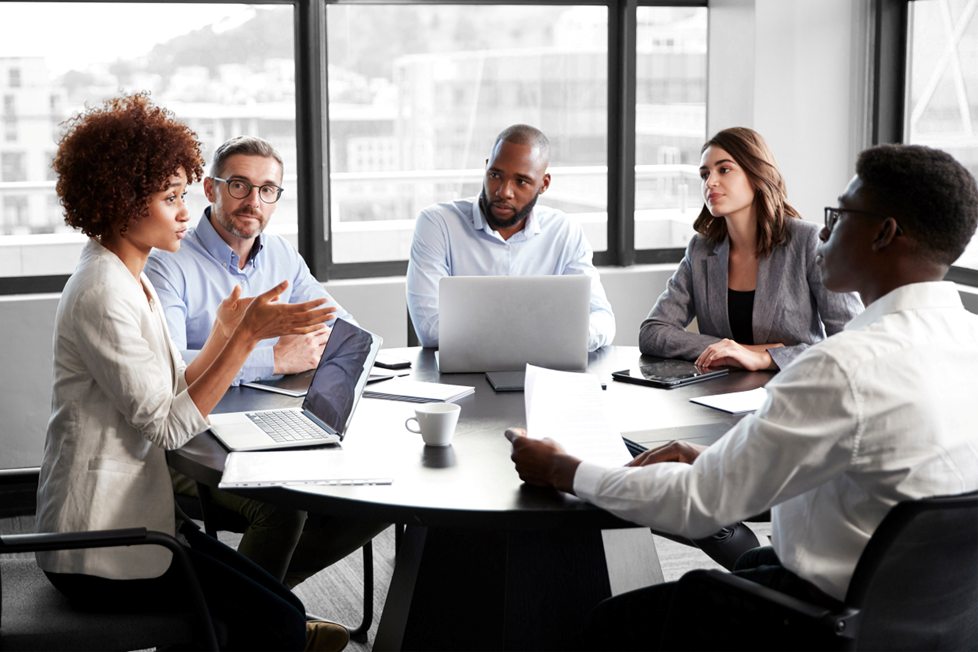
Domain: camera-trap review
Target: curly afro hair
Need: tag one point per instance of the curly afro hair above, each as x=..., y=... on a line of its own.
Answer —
x=932, y=196
x=113, y=158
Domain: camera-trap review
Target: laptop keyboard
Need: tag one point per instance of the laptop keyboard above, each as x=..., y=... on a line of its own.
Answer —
x=288, y=425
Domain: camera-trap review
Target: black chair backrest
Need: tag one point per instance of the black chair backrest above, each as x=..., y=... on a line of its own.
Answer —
x=916, y=582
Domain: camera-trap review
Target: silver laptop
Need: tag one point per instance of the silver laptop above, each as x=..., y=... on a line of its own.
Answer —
x=501, y=323
x=328, y=408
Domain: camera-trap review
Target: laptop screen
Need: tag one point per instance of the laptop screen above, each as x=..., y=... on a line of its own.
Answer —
x=341, y=375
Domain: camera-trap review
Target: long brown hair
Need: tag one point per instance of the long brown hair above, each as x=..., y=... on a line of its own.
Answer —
x=771, y=208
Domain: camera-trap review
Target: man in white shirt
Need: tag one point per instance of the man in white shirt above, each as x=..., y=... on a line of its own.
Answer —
x=502, y=233
x=872, y=416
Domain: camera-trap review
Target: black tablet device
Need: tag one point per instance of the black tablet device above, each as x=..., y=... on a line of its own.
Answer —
x=667, y=374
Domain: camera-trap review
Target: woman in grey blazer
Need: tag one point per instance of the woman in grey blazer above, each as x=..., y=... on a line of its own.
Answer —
x=749, y=275
x=750, y=280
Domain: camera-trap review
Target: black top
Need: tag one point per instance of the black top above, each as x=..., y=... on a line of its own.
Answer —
x=740, y=310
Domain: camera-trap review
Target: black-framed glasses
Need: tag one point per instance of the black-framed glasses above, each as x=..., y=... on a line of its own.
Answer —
x=239, y=189
x=832, y=216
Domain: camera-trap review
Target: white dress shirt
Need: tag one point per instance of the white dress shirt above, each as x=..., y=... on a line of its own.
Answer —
x=120, y=400
x=880, y=413
x=454, y=239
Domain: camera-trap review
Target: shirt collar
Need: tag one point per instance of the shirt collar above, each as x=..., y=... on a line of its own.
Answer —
x=915, y=296
x=530, y=228
x=214, y=244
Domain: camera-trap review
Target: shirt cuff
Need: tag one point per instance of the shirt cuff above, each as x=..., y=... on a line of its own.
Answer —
x=259, y=365
x=587, y=479
x=187, y=417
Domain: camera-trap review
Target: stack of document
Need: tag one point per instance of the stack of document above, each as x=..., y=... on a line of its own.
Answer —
x=284, y=468
x=569, y=408
x=415, y=391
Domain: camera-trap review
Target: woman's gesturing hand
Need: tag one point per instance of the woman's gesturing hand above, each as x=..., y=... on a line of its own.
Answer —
x=730, y=354
x=230, y=311
x=265, y=317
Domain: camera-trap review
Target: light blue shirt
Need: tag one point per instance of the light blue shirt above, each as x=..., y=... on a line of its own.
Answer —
x=192, y=282
x=454, y=239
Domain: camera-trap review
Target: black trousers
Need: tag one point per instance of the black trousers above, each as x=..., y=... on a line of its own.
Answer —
x=636, y=620
x=258, y=611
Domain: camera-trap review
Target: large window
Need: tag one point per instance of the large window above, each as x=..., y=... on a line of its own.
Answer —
x=416, y=101
x=942, y=80
x=395, y=106
x=670, y=123
x=223, y=69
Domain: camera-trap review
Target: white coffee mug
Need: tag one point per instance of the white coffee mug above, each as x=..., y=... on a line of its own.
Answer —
x=436, y=422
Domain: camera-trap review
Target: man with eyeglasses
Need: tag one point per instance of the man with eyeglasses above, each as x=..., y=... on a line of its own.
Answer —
x=228, y=247
x=880, y=413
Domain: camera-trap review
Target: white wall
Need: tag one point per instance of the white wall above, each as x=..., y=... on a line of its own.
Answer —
x=796, y=71
x=27, y=325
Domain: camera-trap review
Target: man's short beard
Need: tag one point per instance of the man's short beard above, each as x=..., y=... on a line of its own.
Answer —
x=228, y=225
x=497, y=223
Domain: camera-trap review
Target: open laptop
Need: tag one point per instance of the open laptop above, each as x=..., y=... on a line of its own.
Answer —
x=328, y=407
x=501, y=323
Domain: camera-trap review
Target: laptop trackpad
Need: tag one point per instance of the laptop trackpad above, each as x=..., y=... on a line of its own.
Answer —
x=239, y=433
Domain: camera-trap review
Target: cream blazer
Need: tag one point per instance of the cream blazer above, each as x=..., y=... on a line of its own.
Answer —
x=120, y=400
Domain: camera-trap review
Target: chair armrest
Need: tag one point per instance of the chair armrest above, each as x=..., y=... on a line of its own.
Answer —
x=115, y=538
x=72, y=540
x=717, y=610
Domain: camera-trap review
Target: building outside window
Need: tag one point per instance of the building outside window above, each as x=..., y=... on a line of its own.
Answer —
x=670, y=123
x=416, y=103
x=225, y=70
x=942, y=80
x=413, y=106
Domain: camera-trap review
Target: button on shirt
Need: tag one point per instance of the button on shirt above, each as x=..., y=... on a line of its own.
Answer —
x=454, y=239
x=875, y=415
x=192, y=282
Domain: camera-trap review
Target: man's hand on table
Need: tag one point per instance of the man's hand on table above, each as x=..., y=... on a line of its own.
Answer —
x=674, y=451
x=294, y=354
x=542, y=462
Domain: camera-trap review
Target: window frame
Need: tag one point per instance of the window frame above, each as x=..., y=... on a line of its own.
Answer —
x=312, y=101
x=891, y=92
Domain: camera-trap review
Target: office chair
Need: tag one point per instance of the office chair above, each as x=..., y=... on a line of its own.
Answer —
x=36, y=616
x=217, y=518
x=915, y=587
x=412, y=335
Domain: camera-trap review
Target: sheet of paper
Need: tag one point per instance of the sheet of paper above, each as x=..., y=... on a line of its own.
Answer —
x=736, y=402
x=301, y=467
x=569, y=408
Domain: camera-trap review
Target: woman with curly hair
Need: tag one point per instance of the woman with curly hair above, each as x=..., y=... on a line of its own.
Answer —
x=749, y=275
x=122, y=394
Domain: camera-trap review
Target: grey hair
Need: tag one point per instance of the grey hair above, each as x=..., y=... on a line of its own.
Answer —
x=246, y=145
x=524, y=135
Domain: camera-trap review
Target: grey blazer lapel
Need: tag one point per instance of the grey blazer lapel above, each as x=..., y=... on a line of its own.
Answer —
x=767, y=297
x=716, y=288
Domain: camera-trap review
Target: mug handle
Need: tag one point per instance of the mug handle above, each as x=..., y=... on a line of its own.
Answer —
x=410, y=429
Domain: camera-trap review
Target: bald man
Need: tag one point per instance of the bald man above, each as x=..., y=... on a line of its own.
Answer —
x=502, y=233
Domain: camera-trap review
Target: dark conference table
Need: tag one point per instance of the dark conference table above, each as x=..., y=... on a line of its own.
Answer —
x=486, y=561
